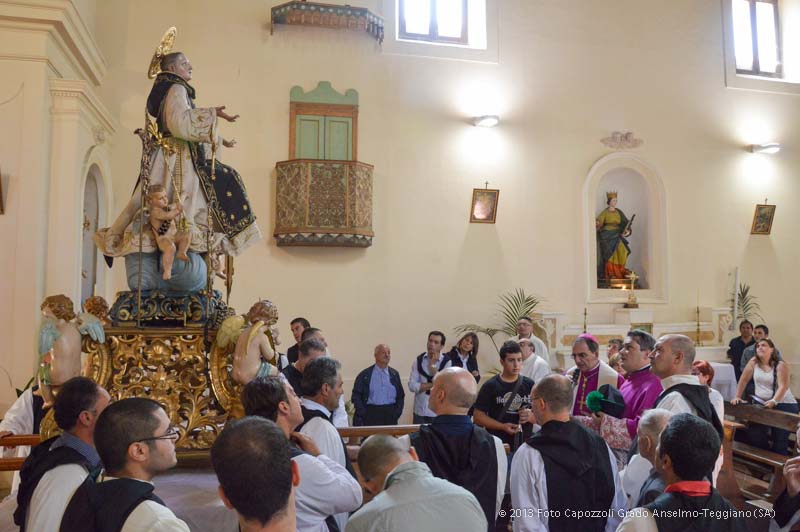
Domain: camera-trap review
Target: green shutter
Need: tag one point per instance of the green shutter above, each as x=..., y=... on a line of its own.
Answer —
x=338, y=138
x=310, y=137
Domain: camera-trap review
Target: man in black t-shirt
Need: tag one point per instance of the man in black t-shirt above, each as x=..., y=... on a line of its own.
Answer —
x=737, y=346
x=496, y=410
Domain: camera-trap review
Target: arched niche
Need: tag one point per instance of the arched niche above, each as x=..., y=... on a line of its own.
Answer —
x=95, y=194
x=640, y=191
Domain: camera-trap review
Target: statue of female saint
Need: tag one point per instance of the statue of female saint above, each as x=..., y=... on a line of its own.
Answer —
x=613, y=228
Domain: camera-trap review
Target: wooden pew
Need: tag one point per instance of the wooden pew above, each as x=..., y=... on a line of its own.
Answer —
x=761, y=458
x=15, y=464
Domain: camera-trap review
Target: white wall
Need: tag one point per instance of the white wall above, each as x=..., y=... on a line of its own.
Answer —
x=570, y=72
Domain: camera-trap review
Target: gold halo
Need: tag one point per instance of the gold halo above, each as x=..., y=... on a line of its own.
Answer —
x=164, y=47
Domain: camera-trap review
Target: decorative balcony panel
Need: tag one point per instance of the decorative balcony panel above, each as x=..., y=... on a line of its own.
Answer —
x=323, y=203
x=344, y=17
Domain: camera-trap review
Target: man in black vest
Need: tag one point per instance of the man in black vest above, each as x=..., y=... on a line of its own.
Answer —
x=688, y=448
x=298, y=325
x=378, y=394
x=328, y=491
x=256, y=474
x=671, y=361
x=564, y=478
x=56, y=467
x=136, y=442
x=309, y=350
x=322, y=387
x=457, y=450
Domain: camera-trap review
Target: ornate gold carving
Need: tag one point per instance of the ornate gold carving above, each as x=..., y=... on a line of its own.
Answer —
x=226, y=390
x=164, y=47
x=48, y=427
x=168, y=366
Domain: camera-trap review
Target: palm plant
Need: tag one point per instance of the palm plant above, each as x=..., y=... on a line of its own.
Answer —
x=511, y=306
x=748, y=308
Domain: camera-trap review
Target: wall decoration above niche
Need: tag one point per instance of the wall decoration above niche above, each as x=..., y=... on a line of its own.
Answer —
x=323, y=193
x=344, y=17
x=625, y=230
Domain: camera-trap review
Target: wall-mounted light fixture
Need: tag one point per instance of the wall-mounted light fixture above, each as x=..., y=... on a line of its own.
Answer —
x=486, y=121
x=770, y=147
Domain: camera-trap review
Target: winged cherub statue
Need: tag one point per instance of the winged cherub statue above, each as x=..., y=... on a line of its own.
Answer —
x=60, y=343
x=254, y=354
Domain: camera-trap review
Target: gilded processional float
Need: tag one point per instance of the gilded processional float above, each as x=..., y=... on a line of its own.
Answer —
x=171, y=337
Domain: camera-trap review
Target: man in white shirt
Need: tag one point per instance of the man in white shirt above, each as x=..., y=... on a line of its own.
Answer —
x=322, y=383
x=256, y=474
x=671, y=361
x=423, y=370
x=533, y=366
x=339, y=414
x=56, y=468
x=564, y=469
x=136, y=442
x=24, y=417
x=454, y=448
x=525, y=330
x=327, y=487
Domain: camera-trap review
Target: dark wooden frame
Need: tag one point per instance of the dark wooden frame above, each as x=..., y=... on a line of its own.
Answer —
x=496, y=200
x=433, y=29
x=2, y=199
x=756, y=70
x=763, y=207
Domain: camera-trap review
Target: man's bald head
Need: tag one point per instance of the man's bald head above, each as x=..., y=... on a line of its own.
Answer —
x=551, y=398
x=454, y=392
x=383, y=354
x=378, y=456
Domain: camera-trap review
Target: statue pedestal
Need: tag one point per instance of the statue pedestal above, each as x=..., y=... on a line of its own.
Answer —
x=634, y=318
x=173, y=367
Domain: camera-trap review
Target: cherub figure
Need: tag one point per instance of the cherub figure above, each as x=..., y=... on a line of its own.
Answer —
x=162, y=222
x=255, y=348
x=97, y=307
x=60, y=343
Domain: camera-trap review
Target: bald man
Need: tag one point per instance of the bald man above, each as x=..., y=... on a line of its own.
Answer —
x=407, y=495
x=455, y=449
x=378, y=394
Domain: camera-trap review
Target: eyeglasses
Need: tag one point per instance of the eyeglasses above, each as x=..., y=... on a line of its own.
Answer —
x=172, y=433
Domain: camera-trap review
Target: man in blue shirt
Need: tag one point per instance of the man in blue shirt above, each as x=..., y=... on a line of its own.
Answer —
x=378, y=394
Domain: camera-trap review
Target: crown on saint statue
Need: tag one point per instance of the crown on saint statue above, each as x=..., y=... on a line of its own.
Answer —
x=611, y=194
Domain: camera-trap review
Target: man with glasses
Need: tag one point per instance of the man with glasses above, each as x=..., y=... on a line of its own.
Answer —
x=136, y=442
x=525, y=330
x=56, y=467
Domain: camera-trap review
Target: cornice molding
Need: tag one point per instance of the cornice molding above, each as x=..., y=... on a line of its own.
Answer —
x=77, y=96
x=61, y=19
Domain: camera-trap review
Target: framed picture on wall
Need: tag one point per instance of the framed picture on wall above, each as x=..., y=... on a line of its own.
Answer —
x=762, y=220
x=484, y=205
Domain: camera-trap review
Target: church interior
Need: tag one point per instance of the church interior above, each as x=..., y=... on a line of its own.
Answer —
x=426, y=218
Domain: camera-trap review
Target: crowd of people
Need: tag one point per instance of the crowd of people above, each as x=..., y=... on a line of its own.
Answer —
x=593, y=448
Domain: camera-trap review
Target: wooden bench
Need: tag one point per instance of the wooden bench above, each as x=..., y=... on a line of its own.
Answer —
x=756, y=459
x=15, y=464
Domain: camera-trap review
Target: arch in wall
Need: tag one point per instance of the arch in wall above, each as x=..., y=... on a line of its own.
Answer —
x=640, y=191
x=96, y=175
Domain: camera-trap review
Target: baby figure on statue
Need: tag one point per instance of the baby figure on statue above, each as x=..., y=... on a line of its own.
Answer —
x=162, y=222
x=254, y=354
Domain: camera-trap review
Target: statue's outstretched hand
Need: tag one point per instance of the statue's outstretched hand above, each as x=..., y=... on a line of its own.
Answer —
x=222, y=114
x=229, y=143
